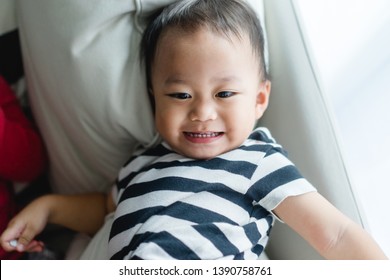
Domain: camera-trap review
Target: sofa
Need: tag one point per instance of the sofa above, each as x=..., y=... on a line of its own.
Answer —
x=88, y=96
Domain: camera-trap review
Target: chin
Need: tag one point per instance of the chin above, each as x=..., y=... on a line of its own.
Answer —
x=203, y=155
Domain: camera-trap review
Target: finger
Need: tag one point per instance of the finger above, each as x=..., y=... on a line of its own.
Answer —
x=9, y=245
x=10, y=236
x=13, y=243
x=24, y=241
x=24, y=238
x=35, y=246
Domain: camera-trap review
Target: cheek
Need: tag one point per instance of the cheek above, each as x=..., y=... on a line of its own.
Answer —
x=161, y=118
x=242, y=119
x=239, y=113
x=167, y=119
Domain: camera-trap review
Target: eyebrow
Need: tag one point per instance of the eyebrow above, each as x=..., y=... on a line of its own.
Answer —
x=174, y=80
x=178, y=80
x=226, y=78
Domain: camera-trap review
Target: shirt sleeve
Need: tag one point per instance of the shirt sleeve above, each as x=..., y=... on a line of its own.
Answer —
x=276, y=178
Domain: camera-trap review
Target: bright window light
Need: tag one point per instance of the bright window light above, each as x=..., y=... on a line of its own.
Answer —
x=350, y=42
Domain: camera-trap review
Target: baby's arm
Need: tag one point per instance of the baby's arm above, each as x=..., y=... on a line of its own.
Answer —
x=330, y=232
x=82, y=213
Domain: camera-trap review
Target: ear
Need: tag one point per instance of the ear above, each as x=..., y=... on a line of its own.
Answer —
x=150, y=91
x=262, y=98
x=151, y=99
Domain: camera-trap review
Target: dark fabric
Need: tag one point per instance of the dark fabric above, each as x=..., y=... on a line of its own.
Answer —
x=11, y=65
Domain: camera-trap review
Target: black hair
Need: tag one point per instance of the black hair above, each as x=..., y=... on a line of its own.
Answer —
x=227, y=17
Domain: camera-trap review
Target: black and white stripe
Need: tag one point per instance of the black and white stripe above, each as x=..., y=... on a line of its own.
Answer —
x=171, y=207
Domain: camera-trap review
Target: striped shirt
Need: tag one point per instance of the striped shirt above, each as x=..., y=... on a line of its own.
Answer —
x=173, y=207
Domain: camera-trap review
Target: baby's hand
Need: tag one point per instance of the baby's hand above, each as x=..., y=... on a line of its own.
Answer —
x=15, y=238
x=33, y=246
x=24, y=227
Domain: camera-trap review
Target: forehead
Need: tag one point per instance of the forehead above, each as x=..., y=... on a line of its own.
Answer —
x=172, y=35
x=202, y=55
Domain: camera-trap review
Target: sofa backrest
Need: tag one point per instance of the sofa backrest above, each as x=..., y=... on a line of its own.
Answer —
x=300, y=119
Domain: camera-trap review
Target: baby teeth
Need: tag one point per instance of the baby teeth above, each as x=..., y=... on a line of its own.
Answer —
x=203, y=135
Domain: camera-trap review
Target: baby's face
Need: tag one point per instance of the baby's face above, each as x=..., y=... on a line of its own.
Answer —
x=207, y=90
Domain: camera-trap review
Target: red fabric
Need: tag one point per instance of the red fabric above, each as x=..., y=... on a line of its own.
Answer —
x=22, y=152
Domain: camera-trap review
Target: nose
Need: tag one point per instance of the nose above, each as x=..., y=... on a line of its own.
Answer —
x=202, y=111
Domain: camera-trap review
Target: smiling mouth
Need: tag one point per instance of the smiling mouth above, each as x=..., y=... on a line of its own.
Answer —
x=206, y=137
x=203, y=134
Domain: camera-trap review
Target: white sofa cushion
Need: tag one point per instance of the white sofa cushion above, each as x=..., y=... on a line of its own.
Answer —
x=7, y=16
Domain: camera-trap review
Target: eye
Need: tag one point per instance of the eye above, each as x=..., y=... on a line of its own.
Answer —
x=225, y=94
x=180, y=95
